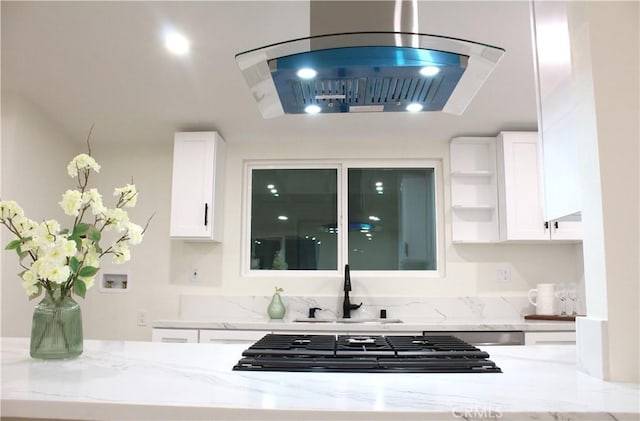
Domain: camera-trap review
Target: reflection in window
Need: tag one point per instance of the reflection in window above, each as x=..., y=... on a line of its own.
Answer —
x=293, y=219
x=297, y=221
x=392, y=224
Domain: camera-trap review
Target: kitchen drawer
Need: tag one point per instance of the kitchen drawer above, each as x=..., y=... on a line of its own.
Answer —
x=486, y=337
x=174, y=335
x=550, y=338
x=230, y=336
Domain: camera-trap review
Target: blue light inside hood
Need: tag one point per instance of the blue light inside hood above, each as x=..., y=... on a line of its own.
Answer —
x=367, y=72
x=371, y=78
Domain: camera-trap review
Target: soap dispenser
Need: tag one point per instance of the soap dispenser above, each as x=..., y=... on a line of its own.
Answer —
x=276, y=309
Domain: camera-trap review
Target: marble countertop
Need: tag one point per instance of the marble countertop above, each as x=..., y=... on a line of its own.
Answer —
x=406, y=326
x=148, y=380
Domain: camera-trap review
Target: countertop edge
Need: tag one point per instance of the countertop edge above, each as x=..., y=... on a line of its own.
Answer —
x=412, y=326
x=41, y=410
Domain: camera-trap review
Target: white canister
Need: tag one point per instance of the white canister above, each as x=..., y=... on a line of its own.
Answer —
x=543, y=298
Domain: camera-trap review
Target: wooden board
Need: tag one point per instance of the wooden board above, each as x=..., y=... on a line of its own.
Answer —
x=550, y=317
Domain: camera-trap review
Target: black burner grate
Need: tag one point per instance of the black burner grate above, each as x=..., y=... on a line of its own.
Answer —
x=376, y=353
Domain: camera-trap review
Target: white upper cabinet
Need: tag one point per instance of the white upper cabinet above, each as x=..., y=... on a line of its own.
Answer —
x=474, y=197
x=521, y=192
x=562, y=77
x=196, y=194
x=519, y=189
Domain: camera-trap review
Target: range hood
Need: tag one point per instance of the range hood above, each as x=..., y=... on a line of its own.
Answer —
x=351, y=64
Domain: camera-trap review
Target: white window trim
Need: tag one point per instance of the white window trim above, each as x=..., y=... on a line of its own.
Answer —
x=342, y=167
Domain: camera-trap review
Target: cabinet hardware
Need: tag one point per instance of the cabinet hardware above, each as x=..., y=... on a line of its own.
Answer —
x=206, y=214
x=555, y=224
x=546, y=225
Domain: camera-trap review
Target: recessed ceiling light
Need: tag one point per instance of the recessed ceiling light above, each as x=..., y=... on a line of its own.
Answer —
x=177, y=43
x=413, y=107
x=312, y=109
x=306, y=73
x=429, y=71
x=283, y=217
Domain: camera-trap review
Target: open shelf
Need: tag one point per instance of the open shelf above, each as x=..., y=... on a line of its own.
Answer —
x=474, y=190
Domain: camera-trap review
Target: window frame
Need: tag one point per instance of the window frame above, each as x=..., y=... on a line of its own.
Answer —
x=342, y=167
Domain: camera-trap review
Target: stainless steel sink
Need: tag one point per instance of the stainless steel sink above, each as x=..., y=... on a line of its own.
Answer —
x=372, y=320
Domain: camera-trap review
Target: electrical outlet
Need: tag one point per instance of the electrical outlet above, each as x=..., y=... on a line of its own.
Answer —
x=503, y=275
x=142, y=318
x=194, y=274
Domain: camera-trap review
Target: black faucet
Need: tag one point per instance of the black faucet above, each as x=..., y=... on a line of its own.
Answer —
x=346, y=305
x=312, y=312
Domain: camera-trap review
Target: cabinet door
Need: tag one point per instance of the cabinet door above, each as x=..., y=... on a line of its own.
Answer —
x=519, y=188
x=566, y=230
x=550, y=338
x=560, y=76
x=230, y=336
x=174, y=335
x=196, y=176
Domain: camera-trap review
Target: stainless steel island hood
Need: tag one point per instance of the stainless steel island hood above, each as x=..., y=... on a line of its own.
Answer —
x=351, y=63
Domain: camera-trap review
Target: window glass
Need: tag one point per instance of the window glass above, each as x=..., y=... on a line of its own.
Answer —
x=392, y=223
x=294, y=214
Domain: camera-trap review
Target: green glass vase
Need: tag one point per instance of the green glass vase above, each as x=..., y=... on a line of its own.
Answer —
x=56, y=330
x=276, y=309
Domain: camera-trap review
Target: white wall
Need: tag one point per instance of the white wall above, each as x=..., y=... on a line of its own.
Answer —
x=35, y=154
x=159, y=267
x=608, y=41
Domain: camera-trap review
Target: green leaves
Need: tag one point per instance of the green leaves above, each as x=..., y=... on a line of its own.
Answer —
x=74, y=264
x=79, y=287
x=87, y=271
x=13, y=245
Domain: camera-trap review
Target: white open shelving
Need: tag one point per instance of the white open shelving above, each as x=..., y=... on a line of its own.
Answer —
x=474, y=193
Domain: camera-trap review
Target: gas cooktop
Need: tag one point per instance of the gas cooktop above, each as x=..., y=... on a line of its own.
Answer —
x=370, y=354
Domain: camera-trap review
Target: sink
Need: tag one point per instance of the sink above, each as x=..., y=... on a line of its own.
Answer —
x=372, y=320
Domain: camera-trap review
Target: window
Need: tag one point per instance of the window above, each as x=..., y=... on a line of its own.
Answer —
x=317, y=217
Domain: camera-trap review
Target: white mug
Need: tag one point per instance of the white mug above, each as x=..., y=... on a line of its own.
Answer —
x=544, y=295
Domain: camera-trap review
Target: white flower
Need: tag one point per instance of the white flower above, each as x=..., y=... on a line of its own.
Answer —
x=29, y=283
x=10, y=209
x=91, y=258
x=128, y=195
x=118, y=218
x=25, y=226
x=121, y=253
x=82, y=162
x=67, y=247
x=53, y=251
x=94, y=200
x=134, y=234
x=71, y=202
x=52, y=270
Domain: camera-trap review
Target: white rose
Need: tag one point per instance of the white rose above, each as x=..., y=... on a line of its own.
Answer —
x=71, y=202
x=10, y=209
x=128, y=195
x=122, y=253
x=82, y=162
x=117, y=218
x=135, y=234
x=94, y=199
x=30, y=288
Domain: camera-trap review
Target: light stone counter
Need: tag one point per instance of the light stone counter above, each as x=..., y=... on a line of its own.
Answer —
x=410, y=326
x=145, y=380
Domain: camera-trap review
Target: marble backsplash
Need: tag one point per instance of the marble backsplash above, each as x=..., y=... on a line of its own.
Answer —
x=409, y=309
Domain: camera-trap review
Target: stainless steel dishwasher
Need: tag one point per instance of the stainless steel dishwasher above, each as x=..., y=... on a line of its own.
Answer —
x=483, y=337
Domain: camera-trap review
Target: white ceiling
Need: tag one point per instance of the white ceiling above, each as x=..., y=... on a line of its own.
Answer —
x=103, y=62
